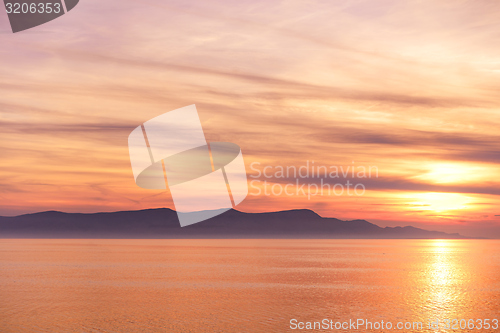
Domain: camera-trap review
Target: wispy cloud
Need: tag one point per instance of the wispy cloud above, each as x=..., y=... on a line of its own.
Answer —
x=411, y=87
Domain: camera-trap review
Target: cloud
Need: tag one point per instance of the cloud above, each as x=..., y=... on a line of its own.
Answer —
x=404, y=86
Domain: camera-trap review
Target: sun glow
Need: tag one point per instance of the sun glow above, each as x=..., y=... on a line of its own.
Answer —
x=455, y=173
x=440, y=202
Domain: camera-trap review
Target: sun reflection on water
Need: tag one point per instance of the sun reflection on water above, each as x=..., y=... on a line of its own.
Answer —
x=443, y=279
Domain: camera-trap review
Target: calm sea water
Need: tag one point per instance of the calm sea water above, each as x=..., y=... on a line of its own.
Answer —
x=243, y=285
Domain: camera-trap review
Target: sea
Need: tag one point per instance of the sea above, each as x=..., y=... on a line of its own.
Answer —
x=261, y=285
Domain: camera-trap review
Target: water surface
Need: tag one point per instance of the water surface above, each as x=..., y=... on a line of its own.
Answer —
x=242, y=285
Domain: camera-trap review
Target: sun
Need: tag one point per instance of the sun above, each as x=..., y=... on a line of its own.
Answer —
x=455, y=173
x=440, y=202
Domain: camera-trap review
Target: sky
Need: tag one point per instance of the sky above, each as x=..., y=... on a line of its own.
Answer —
x=408, y=87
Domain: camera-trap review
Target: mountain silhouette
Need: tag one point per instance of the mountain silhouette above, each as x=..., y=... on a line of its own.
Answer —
x=163, y=223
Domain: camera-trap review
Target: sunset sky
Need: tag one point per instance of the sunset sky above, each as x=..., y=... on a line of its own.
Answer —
x=411, y=87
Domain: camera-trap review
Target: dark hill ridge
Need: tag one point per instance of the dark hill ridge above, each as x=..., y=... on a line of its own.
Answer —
x=163, y=223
